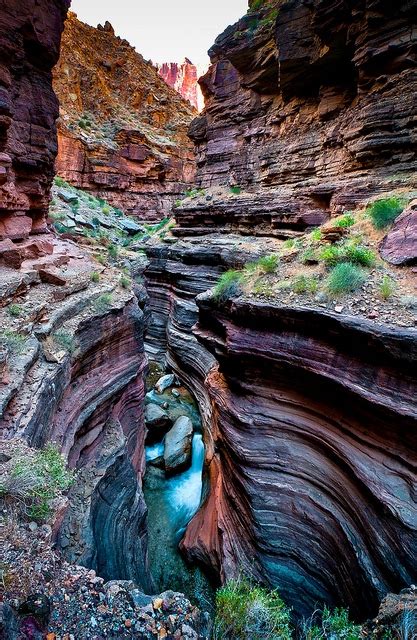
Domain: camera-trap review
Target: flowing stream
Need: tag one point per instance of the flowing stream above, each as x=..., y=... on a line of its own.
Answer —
x=172, y=502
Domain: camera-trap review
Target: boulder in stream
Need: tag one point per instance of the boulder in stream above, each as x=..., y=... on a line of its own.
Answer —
x=178, y=441
x=157, y=422
x=165, y=382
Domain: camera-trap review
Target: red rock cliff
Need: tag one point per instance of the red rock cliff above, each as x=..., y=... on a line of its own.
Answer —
x=122, y=130
x=30, y=34
x=183, y=77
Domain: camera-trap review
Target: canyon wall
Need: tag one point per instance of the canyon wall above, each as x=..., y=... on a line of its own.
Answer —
x=309, y=413
x=30, y=39
x=71, y=368
x=183, y=77
x=302, y=114
x=122, y=131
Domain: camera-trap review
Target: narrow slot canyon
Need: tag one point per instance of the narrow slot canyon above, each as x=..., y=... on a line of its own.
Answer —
x=208, y=340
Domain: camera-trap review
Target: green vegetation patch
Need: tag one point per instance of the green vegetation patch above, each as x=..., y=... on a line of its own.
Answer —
x=383, y=212
x=345, y=277
x=37, y=480
x=245, y=611
x=345, y=221
x=351, y=251
x=228, y=286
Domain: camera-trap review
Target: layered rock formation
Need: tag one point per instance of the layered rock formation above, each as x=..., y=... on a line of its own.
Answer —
x=29, y=41
x=122, y=130
x=309, y=415
x=183, y=77
x=302, y=113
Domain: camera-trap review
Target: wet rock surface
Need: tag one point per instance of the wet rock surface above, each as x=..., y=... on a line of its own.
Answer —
x=177, y=450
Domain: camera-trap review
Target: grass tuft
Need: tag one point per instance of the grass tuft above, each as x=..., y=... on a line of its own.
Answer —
x=345, y=221
x=37, y=480
x=345, y=277
x=383, y=212
x=305, y=284
x=228, y=286
x=246, y=611
x=386, y=288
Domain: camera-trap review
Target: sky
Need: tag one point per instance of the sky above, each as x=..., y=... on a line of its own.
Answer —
x=164, y=30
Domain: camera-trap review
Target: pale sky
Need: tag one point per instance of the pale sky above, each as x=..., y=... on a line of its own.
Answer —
x=164, y=30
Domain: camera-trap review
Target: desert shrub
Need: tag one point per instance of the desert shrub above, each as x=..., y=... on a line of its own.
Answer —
x=289, y=244
x=305, y=284
x=35, y=481
x=125, y=282
x=345, y=277
x=103, y=303
x=60, y=182
x=105, y=210
x=268, y=264
x=100, y=259
x=113, y=250
x=229, y=285
x=345, y=221
x=309, y=256
x=15, y=310
x=335, y=625
x=387, y=287
x=15, y=342
x=64, y=340
x=235, y=189
x=95, y=276
x=348, y=252
x=383, y=212
x=245, y=611
x=316, y=235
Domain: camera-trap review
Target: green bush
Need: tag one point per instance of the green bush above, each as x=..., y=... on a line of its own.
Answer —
x=316, y=235
x=383, y=212
x=235, y=189
x=113, y=251
x=305, y=284
x=15, y=342
x=289, y=244
x=229, y=285
x=387, y=287
x=105, y=210
x=125, y=282
x=103, y=303
x=64, y=340
x=37, y=480
x=345, y=221
x=335, y=625
x=15, y=310
x=348, y=252
x=268, y=264
x=60, y=182
x=95, y=276
x=245, y=611
x=345, y=277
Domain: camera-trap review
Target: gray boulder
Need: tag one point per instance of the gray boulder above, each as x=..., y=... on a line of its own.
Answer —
x=178, y=444
x=157, y=422
x=165, y=382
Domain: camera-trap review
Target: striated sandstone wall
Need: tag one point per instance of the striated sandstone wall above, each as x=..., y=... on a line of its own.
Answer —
x=310, y=416
x=122, y=130
x=30, y=35
x=310, y=110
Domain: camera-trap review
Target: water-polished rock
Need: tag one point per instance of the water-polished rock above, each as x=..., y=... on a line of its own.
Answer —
x=165, y=383
x=157, y=422
x=177, y=453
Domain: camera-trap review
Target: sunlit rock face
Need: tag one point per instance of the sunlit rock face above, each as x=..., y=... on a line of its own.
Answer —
x=183, y=77
x=122, y=131
x=30, y=34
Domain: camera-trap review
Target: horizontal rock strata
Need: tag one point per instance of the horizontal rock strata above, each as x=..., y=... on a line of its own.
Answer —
x=122, y=130
x=29, y=41
x=302, y=114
